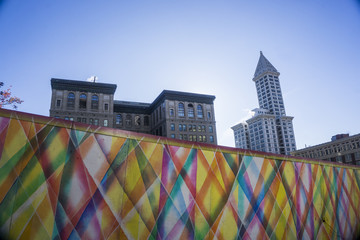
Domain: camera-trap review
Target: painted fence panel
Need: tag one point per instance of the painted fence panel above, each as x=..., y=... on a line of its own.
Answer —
x=62, y=180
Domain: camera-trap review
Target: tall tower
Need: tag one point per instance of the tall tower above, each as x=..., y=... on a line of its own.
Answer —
x=269, y=130
x=266, y=79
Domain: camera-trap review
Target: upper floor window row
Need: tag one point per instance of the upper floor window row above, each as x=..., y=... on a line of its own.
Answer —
x=82, y=101
x=129, y=119
x=190, y=110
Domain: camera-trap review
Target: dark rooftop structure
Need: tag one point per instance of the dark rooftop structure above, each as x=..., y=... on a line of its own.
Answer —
x=82, y=86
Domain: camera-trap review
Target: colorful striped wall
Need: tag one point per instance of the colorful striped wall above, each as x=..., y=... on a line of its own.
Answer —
x=63, y=180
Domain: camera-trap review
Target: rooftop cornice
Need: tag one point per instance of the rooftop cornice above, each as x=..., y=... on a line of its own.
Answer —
x=260, y=116
x=131, y=107
x=327, y=144
x=82, y=86
x=237, y=126
x=185, y=96
x=182, y=96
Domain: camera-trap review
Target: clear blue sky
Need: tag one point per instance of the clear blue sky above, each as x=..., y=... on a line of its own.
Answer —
x=209, y=47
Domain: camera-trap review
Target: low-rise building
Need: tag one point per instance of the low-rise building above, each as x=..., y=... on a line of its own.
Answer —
x=342, y=148
x=173, y=114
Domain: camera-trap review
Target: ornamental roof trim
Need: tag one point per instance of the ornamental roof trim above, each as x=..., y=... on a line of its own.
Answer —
x=82, y=86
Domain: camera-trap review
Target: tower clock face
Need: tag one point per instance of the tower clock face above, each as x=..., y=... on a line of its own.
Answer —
x=137, y=120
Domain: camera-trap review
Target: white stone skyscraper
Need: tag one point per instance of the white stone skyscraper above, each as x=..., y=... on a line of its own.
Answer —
x=269, y=130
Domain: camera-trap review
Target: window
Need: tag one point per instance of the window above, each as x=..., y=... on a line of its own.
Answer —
x=199, y=128
x=71, y=100
x=94, y=102
x=212, y=139
x=171, y=112
x=106, y=107
x=180, y=127
x=172, y=135
x=137, y=120
x=184, y=127
x=58, y=103
x=146, y=121
x=118, y=119
x=181, y=137
x=204, y=138
x=203, y=128
x=78, y=119
x=210, y=129
x=194, y=128
x=96, y=121
x=208, y=115
x=66, y=118
x=200, y=113
x=82, y=101
x=128, y=120
x=190, y=110
x=181, y=110
x=83, y=120
x=91, y=121
x=348, y=158
x=200, y=138
x=105, y=123
x=71, y=119
x=172, y=127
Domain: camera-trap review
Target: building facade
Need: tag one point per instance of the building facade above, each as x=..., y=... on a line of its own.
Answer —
x=241, y=135
x=270, y=129
x=342, y=148
x=85, y=102
x=173, y=114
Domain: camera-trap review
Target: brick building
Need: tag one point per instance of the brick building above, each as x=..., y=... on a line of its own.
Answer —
x=173, y=114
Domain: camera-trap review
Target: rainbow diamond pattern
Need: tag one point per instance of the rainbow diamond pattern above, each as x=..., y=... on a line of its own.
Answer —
x=63, y=180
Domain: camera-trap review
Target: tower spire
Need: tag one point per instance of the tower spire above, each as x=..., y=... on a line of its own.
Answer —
x=264, y=66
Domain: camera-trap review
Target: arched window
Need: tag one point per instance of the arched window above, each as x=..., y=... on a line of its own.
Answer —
x=128, y=120
x=94, y=102
x=181, y=110
x=200, y=113
x=71, y=100
x=82, y=101
x=137, y=120
x=118, y=119
x=190, y=110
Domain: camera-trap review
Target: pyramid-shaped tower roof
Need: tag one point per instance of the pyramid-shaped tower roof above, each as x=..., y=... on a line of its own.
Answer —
x=264, y=66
